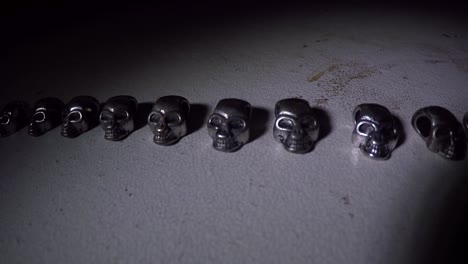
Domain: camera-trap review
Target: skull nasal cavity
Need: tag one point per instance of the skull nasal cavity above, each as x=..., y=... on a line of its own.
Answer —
x=161, y=125
x=297, y=130
x=424, y=126
x=377, y=138
x=222, y=132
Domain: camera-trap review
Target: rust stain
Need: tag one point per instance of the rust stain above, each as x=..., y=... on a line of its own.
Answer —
x=317, y=76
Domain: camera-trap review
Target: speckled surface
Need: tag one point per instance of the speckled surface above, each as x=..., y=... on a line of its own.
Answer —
x=87, y=200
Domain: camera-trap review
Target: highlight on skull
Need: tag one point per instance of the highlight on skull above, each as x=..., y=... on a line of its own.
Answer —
x=441, y=131
x=296, y=127
x=79, y=115
x=46, y=116
x=168, y=119
x=117, y=117
x=375, y=131
x=229, y=125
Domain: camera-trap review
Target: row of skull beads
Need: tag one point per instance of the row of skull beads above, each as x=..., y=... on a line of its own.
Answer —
x=376, y=132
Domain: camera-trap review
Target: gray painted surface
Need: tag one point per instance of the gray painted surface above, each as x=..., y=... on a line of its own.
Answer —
x=87, y=200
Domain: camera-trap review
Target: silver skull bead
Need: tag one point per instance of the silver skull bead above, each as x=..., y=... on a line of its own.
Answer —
x=13, y=117
x=375, y=132
x=229, y=124
x=168, y=119
x=117, y=117
x=46, y=116
x=79, y=115
x=296, y=127
x=441, y=131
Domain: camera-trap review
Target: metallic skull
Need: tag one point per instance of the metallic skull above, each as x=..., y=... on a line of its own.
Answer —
x=229, y=126
x=168, y=119
x=80, y=115
x=13, y=117
x=117, y=117
x=441, y=131
x=46, y=116
x=375, y=132
x=295, y=126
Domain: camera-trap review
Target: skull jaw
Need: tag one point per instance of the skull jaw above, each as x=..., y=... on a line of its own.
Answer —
x=452, y=152
x=70, y=132
x=448, y=153
x=35, y=131
x=115, y=133
x=298, y=145
x=376, y=151
x=6, y=130
x=165, y=138
x=226, y=144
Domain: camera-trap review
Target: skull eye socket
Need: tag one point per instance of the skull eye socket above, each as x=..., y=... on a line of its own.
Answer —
x=442, y=132
x=5, y=119
x=121, y=115
x=216, y=121
x=172, y=118
x=365, y=128
x=106, y=116
x=154, y=118
x=39, y=117
x=423, y=124
x=285, y=124
x=308, y=122
x=75, y=117
x=236, y=124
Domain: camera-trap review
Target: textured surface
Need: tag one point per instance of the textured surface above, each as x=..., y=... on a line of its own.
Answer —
x=87, y=200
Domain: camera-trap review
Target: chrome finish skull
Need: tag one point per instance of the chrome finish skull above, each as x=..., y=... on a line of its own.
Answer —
x=375, y=132
x=46, y=116
x=117, y=117
x=441, y=131
x=80, y=115
x=295, y=126
x=13, y=117
x=229, y=126
x=168, y=119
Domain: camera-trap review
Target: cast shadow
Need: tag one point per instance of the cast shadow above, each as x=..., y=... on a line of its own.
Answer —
x=401, y=129
x=461, y=144
x=445, y=240
x=143, y=111
x=259, y=121
x=324, y=120
x=197, y=117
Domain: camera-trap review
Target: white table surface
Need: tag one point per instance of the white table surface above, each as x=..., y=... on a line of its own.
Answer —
x=88, y=200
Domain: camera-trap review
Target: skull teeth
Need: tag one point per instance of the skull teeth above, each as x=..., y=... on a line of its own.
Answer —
x=67, y=132
x=228, y=144
x=164, y=137
x=114, y=133
x=33, y=131
x=449, y=152
x=298, y=145
x=3, y=131
x=376, y=151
